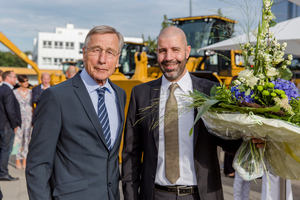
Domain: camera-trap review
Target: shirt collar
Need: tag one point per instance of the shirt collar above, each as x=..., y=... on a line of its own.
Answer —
x=185, y=83
x=9, y=85
x=42, y=86
x=91, y=84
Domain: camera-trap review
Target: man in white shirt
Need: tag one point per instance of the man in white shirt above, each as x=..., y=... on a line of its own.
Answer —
x=149, y=159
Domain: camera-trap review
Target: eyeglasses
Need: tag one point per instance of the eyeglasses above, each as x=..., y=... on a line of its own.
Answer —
x=12, y=76
x=96, y=51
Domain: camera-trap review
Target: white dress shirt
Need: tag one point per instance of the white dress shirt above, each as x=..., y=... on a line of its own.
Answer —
x=111, y=103
x=185, y=123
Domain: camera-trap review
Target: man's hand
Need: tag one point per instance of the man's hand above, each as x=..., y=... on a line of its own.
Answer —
x=15, y=129
x=259, y=142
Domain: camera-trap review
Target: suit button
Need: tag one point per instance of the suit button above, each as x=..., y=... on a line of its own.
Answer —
x=152, y=176
x=109, y=184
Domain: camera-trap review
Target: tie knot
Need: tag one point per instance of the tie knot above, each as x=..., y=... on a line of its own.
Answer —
x=173, y=87
x=101, y=91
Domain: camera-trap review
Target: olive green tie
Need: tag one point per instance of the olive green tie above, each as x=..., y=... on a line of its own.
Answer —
x=171, y=137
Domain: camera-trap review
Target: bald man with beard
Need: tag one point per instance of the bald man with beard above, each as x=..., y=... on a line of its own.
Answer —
x=145, y=150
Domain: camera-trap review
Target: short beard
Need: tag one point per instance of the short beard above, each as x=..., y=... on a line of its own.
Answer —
x=167, y=72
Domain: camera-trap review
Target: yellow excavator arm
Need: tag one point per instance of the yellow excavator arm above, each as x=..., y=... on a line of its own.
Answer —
x=4, y=40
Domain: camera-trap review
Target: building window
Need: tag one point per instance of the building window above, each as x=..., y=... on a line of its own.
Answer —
x=80, y=47
x=57, y=61
x=69, y=45
x=47, y=61
x=58, y=45
x=47, y=44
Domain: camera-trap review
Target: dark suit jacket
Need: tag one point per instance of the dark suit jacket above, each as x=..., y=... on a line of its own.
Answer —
x=36, y=94
x=139, y=137
x=10, y=114
x=68, y=158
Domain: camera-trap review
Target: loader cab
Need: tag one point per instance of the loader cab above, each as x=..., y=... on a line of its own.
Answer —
x=202, y=31
x=126, y=61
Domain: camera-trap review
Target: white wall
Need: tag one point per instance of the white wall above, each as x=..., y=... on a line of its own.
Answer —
x=67, y=34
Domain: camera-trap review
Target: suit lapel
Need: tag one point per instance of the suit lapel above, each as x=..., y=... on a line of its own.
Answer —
x=82, y=94
x=154, y=97
x=196, y=86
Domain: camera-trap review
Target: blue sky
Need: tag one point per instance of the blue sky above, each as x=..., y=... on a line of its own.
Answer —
x=21, y=20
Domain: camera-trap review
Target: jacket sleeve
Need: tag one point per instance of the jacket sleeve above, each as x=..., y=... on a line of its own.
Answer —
x=12, y=109
x=35, y=94
x=132, y=153
x=42, y=147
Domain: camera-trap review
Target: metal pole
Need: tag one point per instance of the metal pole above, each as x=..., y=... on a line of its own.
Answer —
x=282, y=189
x=190, y=8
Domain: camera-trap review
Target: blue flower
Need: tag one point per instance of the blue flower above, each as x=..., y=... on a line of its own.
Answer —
x=240, y=96
x=288, y=87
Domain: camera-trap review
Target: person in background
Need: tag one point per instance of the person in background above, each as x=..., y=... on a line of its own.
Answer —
x=1, y=72
x=228, y=169
x=10, y=119
x=241, y=188
x=271, y=188
x=71, y=71
x=38, y=90
x=74, y=149
x=23, y=134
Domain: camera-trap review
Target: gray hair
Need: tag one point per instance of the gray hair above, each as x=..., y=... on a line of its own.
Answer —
x=102, y=29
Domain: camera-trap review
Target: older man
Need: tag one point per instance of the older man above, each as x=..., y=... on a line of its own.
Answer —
x=38, y=90
x=74, y=148
x=175, y=166
x=10, y=119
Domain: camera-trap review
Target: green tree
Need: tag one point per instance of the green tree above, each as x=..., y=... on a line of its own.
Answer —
x=151, y=43
x=166, y=23
x=9, y=59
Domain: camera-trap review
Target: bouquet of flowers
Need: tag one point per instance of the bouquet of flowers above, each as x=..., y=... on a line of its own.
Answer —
x=262, y=103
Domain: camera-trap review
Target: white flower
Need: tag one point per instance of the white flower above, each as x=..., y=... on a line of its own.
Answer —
x=288, y=62
x=271, y=34
x=242, y=80
x=237, y=82
x=282, y=48
x=261, y=76
x=247, y=45
x=250, y=60
x=271, y=71
x=267, y=58
x=283, y=66
x=253, y=81
x=290, y=57
x=284, y=44
x=246, y=74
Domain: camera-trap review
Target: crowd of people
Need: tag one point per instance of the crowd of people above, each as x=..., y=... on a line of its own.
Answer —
x=17, y=103
x=78, y=125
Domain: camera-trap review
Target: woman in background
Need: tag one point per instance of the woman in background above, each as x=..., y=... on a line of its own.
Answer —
x=23, y=134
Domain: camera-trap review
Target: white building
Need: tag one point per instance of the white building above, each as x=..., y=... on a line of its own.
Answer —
x=65, y=44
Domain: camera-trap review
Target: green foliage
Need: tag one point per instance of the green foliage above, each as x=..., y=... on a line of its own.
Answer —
x=8, y=59
x=152, y=44
x=165, y=23
x=285, y=74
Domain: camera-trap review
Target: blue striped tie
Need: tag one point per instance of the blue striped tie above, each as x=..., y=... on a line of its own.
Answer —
x=103, y=117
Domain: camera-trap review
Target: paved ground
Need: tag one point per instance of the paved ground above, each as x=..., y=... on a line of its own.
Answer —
x=16, y=190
